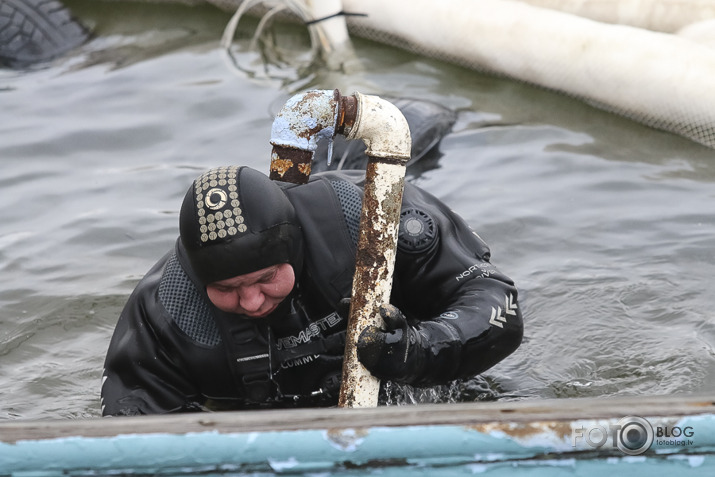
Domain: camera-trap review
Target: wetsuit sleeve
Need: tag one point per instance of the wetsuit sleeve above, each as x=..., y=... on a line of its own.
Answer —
x=466, y=311
x=141, y=373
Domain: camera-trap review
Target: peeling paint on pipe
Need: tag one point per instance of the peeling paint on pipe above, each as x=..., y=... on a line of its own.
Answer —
x=304, y=119
x=383, y=129
x=386, y=134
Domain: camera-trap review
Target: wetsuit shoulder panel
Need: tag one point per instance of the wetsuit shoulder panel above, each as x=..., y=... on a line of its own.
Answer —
x=186, y=306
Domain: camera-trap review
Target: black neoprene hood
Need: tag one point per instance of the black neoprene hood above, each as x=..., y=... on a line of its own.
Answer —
x=235, y=220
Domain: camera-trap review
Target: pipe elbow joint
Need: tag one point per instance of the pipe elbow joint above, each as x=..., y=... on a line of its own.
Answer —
x=305, y=118
x=383, y=128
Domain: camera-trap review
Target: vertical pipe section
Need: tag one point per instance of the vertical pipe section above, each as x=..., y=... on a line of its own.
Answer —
x=386, y=134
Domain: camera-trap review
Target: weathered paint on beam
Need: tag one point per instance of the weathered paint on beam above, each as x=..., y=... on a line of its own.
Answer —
x=509, y=413
x=402, y=451
x=533, y=438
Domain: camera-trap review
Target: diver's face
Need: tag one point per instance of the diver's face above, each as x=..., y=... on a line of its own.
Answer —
x=254, y=294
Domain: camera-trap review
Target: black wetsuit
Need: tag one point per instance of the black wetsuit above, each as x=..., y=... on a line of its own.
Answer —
x=173, y=350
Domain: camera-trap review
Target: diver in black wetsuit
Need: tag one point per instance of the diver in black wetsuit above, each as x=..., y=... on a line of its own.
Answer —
x=249, y=308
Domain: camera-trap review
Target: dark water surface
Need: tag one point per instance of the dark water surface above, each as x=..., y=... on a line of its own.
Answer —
x=606, y=226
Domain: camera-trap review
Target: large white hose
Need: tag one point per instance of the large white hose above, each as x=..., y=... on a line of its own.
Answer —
x=660, y=15
x=658, y=79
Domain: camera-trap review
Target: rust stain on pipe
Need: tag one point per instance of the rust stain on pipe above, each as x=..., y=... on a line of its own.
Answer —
x=347, y=112
x=304, y=119
x=290, y=165
x=372, y=283
x=314, y=115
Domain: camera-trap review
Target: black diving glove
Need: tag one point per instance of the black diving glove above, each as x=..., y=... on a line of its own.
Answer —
x=396, y=353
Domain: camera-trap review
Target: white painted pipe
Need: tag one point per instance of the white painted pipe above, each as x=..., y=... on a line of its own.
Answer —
x=304, y=119
x=382, y=127
x=386, y=134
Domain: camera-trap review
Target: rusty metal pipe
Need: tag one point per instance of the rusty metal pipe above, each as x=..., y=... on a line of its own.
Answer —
x=383, y=129
x=304, y=119
x=386, y=134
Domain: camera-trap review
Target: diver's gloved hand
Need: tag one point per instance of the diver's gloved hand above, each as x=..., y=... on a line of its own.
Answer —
x=395, y=353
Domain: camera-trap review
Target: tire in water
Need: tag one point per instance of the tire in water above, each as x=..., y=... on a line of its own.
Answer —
x=34, y=31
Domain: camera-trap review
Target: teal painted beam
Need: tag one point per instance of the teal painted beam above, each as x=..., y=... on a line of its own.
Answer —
x=538, y=438
x=408, y=450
